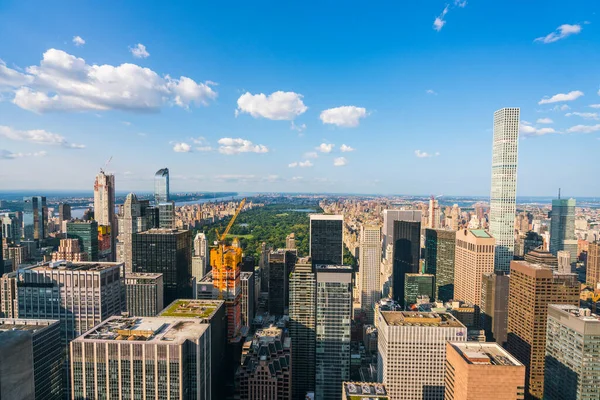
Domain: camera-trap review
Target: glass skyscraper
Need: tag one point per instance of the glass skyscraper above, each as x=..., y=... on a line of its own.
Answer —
x=440, y=247
x=407, y=252
x=35, y=218
x=161, y=186
x=562, y=227
x=326, y=239
x=504, y=185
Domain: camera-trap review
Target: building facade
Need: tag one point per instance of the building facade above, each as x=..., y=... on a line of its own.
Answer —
x=562, y=227
x=369, y=267
x=389, y=216
x=130, y=222
x=326, y=239
x=69, y=250
x=474, y=258
x=281, y=262
x=87, y=234
x=592, y=277
x=247, y=299
x=144, y=294
x=440, y=248
x=504, y=185
x=434, y=214
x=494, y=306
x=416, y=285
x=9, y=306
x=407, y=253
x=35, y=218
x=161, y=186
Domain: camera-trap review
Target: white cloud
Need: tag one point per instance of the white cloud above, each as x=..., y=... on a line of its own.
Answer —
x=9, y=155
x=63, y=82
x=439, y=22
x=595, y=105
x=299, y=128
x=78, y=41
x=276, y=106
x=11, y=79
x=346, y=116
x=560, y=33
x=232, y=146
x=139, y=51
x=586, y=115
x=301, y=164
x=460, y=3
x=204, y=148
x=544, y=121
x=431, y=91
x=340, y=162
x=584, y=128
x=37, y=136
x=182, y=148
x=573, y=95
x=325, y=148
x=424, y=154
x=346, y=149
x=525, y=129
x=311, y=154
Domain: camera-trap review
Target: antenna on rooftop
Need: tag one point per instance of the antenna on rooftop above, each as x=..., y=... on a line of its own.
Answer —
x=559, y=193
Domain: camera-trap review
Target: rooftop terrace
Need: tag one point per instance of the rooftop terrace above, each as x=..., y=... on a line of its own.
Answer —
x=203, y=309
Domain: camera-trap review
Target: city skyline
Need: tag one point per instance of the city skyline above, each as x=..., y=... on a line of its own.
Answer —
x=262, y=106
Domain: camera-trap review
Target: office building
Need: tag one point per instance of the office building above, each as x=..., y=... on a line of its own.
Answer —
x=494, y=306
x=136, y=358
x=9, y=306
x=80, y=295
x=161, y=186
x=205, y=288
x=562, y=227
x=281, y=262
x=104, y=199
x=69, y=250
x=87, y=234
x=35, y=218
x=15, y=254
x=198, y=267
x=201, y=255
x=532, y=288
x=11, y=227
x=249, y=262
x=364, y=390
x=247, y=298
x=303, y=326
x=474, y=258
x=412, y=352
x=417, y=285
x=130, y=222
x=434, y=213
x=168, y=252
x=563, y=259
x=593, y=265
x=290, y=241
x=389, y=216
x=166, y=215
x=266, y=370
x=334, y=315
x=541, y=256
x=31, y=358
x=144, y=294
x=440, y=248
x=504, y=185
x=476, y=371
x=369, y=267
x=572, y=354
x=454, y=218
x=326, y=239
x=407, y=253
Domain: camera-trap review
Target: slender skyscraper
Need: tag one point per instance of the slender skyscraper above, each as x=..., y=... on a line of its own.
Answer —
x=407, y=251
x=504, y=185
x=434, y=213
x=104, y=207
x=562, y=227
x=130, y=223
x=161, y=186
x=326, y=239
x=35, y=218
x=370, y=263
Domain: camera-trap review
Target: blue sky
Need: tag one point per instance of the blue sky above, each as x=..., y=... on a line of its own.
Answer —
x=253, y=95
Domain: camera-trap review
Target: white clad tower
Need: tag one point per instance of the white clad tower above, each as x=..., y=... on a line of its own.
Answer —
x=369, y=266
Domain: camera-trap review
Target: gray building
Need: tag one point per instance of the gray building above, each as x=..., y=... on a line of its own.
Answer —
x=562, y=227
x=494, y=306
x=144, y=294
x=334, y=316
x=136, y=358
x=440, y=248
x=247, y=299
x=572, y=354
x=161, y=186
x=326, y=239
x=389, y=216
x=31, y=359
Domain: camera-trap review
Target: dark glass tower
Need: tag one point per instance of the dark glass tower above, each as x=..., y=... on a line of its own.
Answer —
x=169, y=252
x=281, y=263
x=439, y=261
x=326, y=239
x=161, y=186
x=87, y=233
x=35, y=218
x=407, y=248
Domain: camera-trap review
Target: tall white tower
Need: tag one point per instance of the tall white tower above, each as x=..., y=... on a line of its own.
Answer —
x=434, y=213
x=504, y=185
x=369, y=267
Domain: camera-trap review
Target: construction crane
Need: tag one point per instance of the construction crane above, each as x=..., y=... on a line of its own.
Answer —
x=106, y=165
x=221, y=237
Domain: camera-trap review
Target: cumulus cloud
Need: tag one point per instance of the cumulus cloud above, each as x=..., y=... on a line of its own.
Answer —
x=311, y=154
x=526, y=129
x=424, y=154
x=63, y=82
x=460, y=3
x=340, y=162
x=573, y=95
x=9, y=155
x=276, y=106
x=561, y=32
x=232, y=146
x=431, y=91
x=584, y=128
x=345, y=116
x=37, y=136
x=439, y=22
x=78, y=41
x=346, y=149
x=325, y=147
x=139, y=51
x=586, y=115
x=595, y=105
x=545, y=121
x=182, y=148
x=301, y=164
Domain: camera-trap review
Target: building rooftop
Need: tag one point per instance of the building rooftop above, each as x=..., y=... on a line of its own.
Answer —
x=416, y=318
x=335, y=217
x=485, y=354
x=31, y=325
x=62, y=265
x=245, y=275
x=146, y=329
x=480, y=233
x=365, y=390
x=333, y=268
x=202, y=309
x=207, y=278
x=161, y=231
x=582, y=314
x=142, y=275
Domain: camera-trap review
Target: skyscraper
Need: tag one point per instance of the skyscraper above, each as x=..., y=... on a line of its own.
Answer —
x=494, y=306
x=334, y=313
x=369, y=266
x=144, y=294
x=281, y=262
x=562, y=227
x=247, y=298
x=303, y=327
x=434, y=213
x=412, y=352
x=592, y=277
x=389, y=216
x=87, y=234
x=64, y=213
x=35, y=218
x=407, y=252
x=504, y=185
x=161, y=186
x=572, y=353
x=169, y=252
x=104, y=210
x=532, y=288
x=130, y=222
x=440, y=248
x=326, y=239
x=69, y=250
x=166, y=215
x=474, y=257
x=9, y=306
x=416, y=285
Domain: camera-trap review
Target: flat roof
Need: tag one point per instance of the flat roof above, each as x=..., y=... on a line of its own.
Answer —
x=417, y=318
x=16, y=324
x=161, y=231
x=333, y=268
x=144, y=275
x=203, y=309
x=582, y=314
x=63, y=265
x=478, y=353
x=363, y=390
x=480, y=233
x=333, y=217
